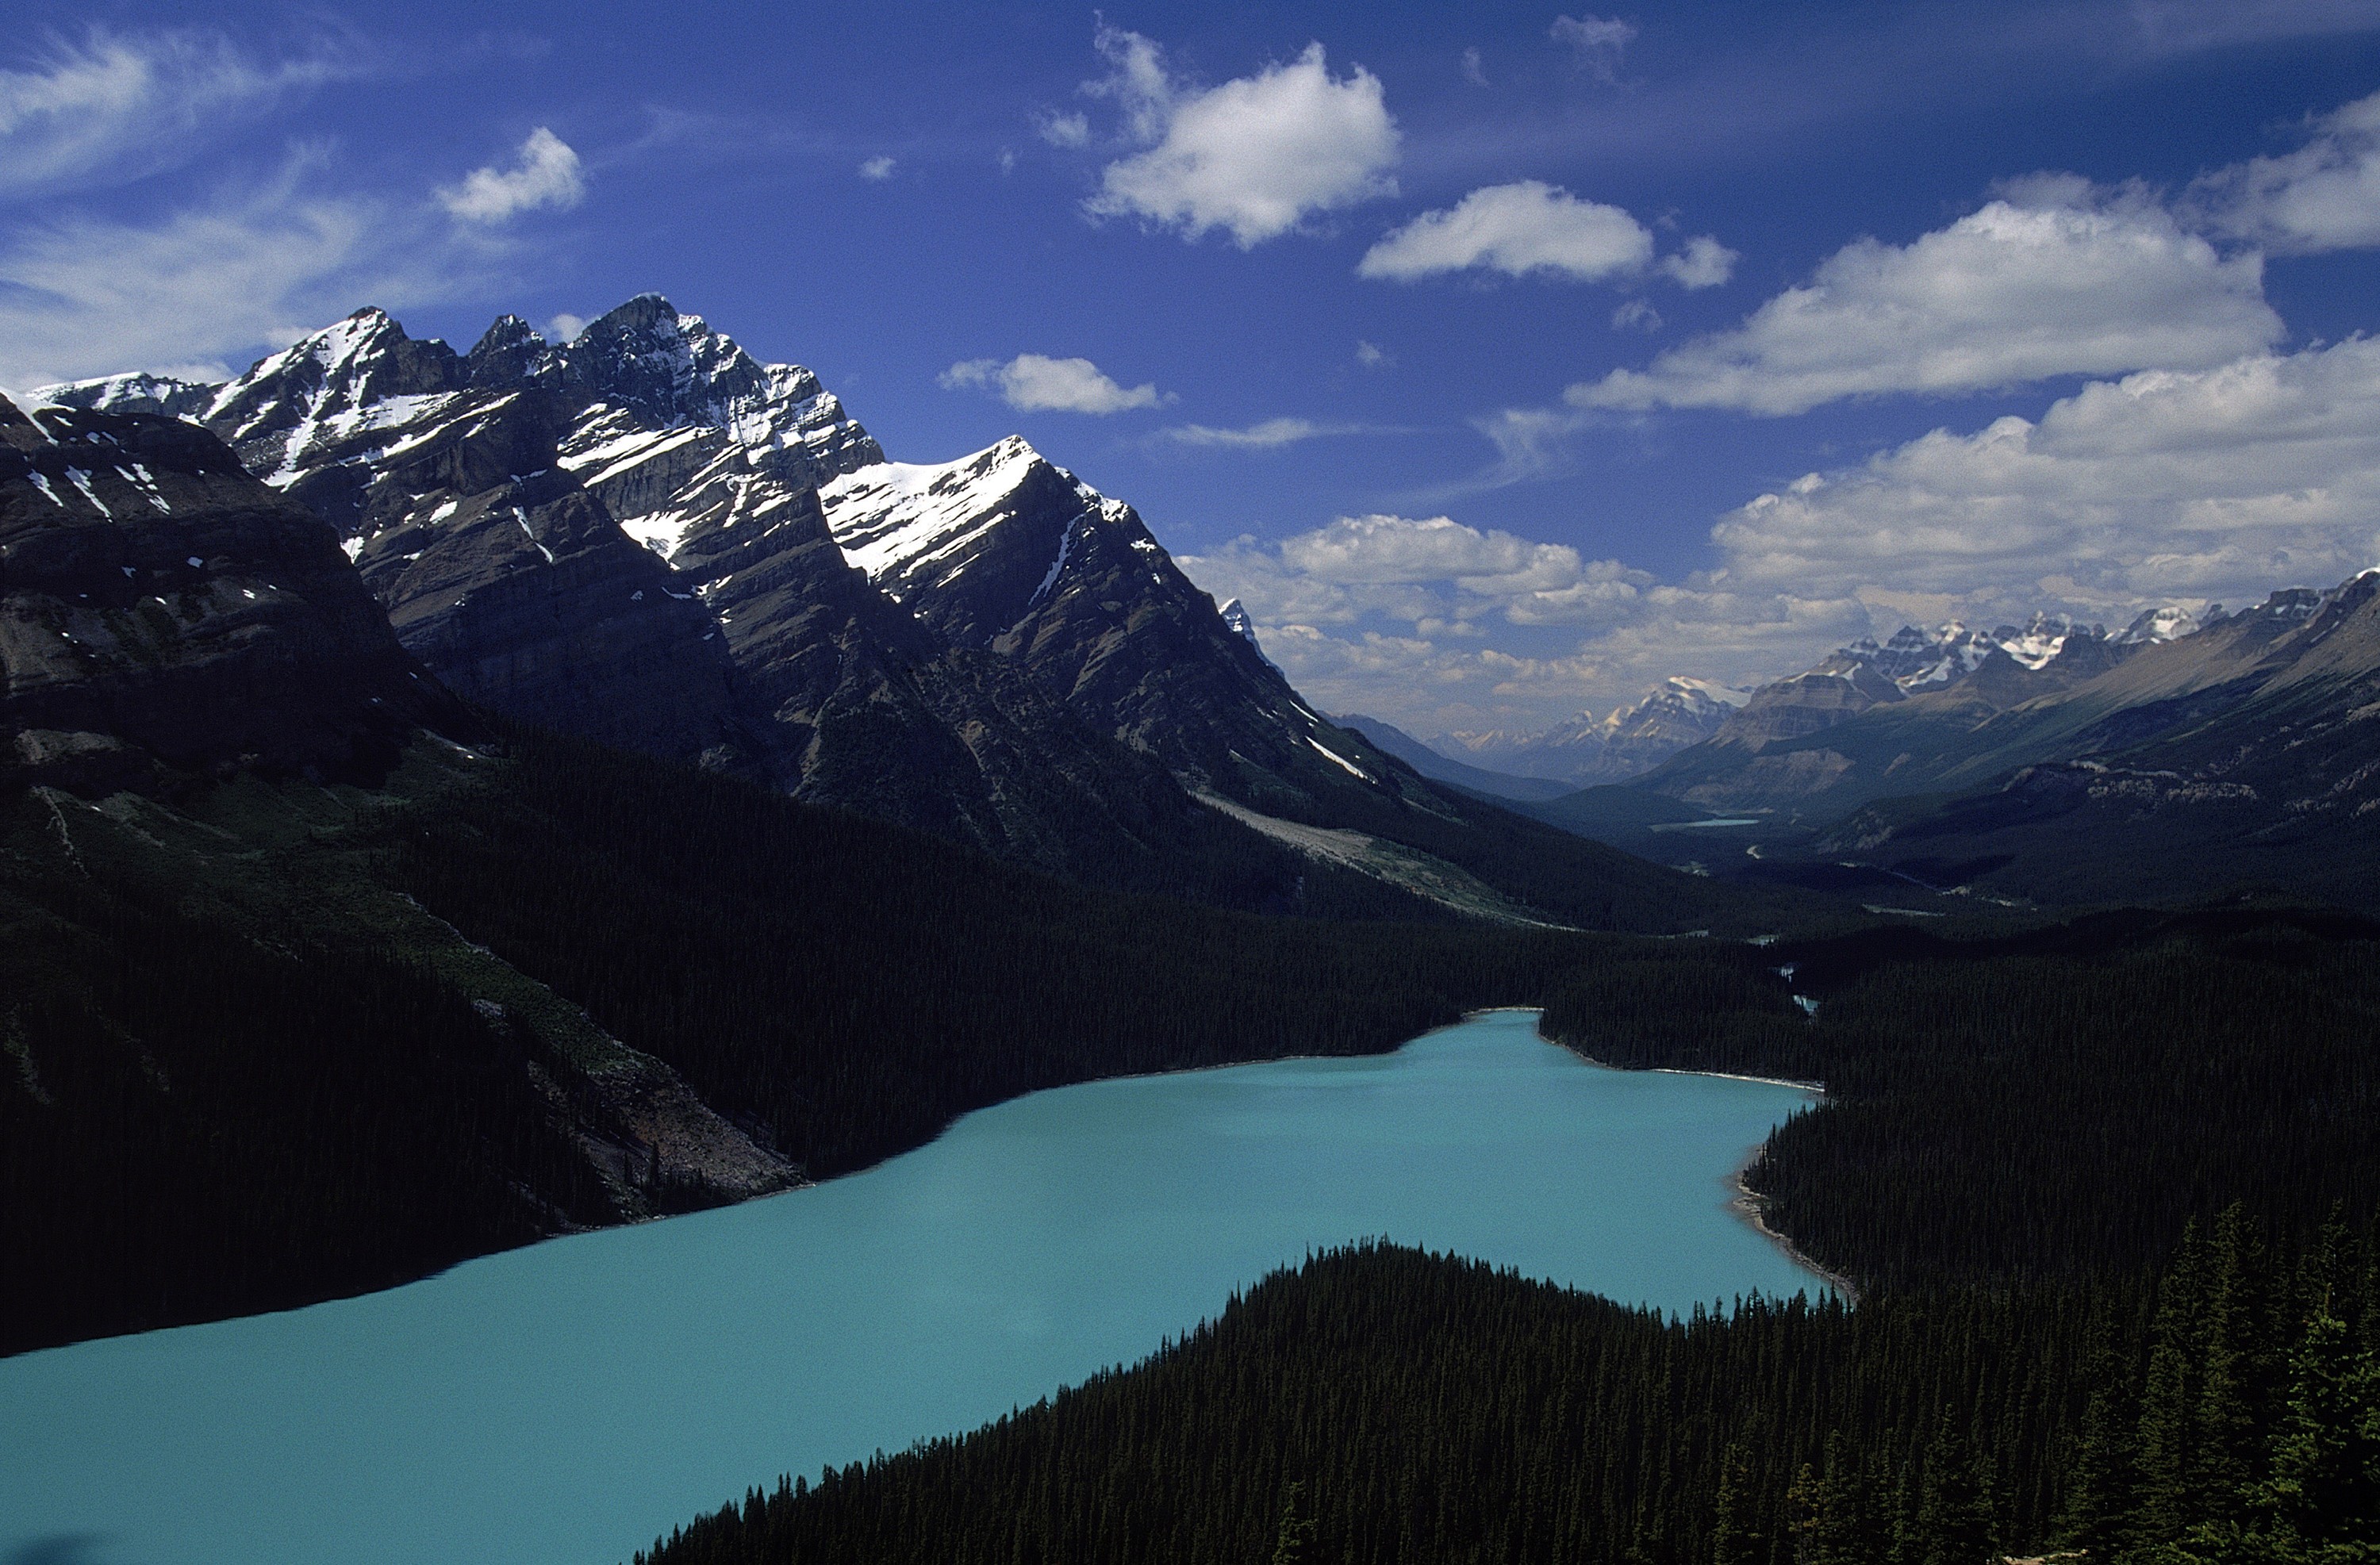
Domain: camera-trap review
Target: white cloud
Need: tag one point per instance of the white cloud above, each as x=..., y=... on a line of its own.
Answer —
x=2212, y=483
x=1272, y=434
x=566, y=327
x=2053, y=279
x=1596, y=42
x=81, y=297
x=2324, y=195
x=879, y=168
x=1065, y=130
x=1474, y=70
x=1255, y=156
x=117, y=108
x=2165, y=486
x=1032, y=383
x=545, y=173
x=1517, y=229
x=1704, y=263
x=1636, y=314
x=1372, y=356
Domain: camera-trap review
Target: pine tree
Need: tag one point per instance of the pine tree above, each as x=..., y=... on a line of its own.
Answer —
x=2169, y=1504
x=2225, y=1447
x=2100, y=1474
x=2322, y=1502
x=1954, y=1518
x=1295, y=1532
x=1735, y=1529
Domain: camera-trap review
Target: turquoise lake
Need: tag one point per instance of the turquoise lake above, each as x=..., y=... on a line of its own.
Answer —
x=567, y=1402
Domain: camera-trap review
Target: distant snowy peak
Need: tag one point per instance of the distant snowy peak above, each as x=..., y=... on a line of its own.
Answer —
x=1235, y=616
x=1916, y=661
x=2170, y=624
x=1621, y=744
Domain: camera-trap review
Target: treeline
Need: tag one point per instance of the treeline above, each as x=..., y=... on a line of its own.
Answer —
x=1382, y=1407
x=2058, y=1104
x=854, y=987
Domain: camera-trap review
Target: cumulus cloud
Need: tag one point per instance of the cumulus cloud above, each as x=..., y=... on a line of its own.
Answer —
x=1517, y=229
x=254, y=268
x=2213, y=484
x=1269, y=435
x=2053, y=279
x=1595, y=43
x=566, y=327
x=1032, y=383
x=2161, y=487
x=544, y=174
x=1256, y=156
x=116, y=107
x=2324, y=195
x=879, y=168
x=1704, y=263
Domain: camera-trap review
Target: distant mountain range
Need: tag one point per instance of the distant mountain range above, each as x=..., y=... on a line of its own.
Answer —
x=1586, y=749
x=646, y=538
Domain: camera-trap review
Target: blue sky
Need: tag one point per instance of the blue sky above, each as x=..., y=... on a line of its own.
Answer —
x=1505, y=360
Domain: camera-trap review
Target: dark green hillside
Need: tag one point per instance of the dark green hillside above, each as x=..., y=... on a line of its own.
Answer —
x=854, y=987
x=287, y=1042
x=1380, y=1405
x=2055, y=1104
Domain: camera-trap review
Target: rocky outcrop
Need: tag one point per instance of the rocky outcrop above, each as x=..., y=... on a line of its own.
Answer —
x=164, y=617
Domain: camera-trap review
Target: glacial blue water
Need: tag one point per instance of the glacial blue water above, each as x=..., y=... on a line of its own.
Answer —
x=566, y=1403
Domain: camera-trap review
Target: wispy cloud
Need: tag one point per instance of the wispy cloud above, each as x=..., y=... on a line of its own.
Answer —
x=252, y=268
x=116, y=106
x=545, y=173
x=1270, y=435
x=879, y=168
x=1596, y=43
x=1033, y=383
x=1255, y=157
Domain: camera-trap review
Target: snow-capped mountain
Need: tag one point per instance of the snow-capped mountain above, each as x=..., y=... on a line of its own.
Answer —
x=649, y=536
x=1625, y=742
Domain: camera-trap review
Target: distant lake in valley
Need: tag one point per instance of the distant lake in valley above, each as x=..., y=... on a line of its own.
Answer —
x=566, y=1403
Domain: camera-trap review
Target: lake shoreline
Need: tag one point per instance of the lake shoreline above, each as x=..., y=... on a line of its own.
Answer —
x=1746, y=1203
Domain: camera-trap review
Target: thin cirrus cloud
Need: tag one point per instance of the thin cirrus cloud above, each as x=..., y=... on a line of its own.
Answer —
x=252, y=268
x=1031, y=383
x=1270, y=434
x=119, y=107
x=1533, y=228
x=544, y=174
x=2053, y=279
x=1596, y=42
x=1257, y=156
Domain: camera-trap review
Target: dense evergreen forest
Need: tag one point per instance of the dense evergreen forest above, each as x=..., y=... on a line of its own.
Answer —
x=1380, y=1405
x=854, y=987
x=292, y=1042
x=2087, y=1176
x=2052, y=1104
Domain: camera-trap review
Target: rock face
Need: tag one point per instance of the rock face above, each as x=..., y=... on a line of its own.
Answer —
x=647, y=537
x=163, y=615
